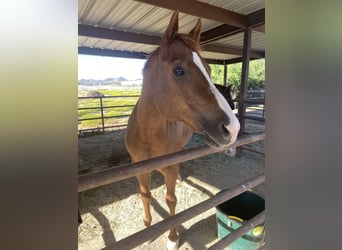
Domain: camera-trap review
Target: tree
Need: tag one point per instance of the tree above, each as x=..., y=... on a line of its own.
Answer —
x=217, y=73
x=256, y=77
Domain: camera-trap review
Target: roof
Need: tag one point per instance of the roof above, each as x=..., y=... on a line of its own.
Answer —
x=127, y=28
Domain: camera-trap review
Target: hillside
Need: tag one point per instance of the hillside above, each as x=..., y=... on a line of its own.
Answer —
x=108, y=81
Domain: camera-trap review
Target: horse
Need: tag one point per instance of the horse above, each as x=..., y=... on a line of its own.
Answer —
x=226, y=91
x=177, y=99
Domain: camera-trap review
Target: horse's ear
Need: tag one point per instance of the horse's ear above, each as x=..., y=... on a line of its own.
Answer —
x=171, y=30
x=195, y=33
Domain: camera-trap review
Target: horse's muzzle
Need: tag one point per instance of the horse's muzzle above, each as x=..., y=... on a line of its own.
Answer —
x=224, y=134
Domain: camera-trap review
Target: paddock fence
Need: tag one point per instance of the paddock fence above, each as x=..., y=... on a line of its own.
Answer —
x=255, y=105
x=117, y=173
x=99, y=109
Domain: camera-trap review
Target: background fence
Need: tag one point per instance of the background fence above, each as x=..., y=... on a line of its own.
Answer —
x=97, y=114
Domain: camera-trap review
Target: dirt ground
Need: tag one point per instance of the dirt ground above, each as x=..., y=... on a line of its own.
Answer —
x=113, y=212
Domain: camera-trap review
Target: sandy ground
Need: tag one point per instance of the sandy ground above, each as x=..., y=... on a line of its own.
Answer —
x=115, y=211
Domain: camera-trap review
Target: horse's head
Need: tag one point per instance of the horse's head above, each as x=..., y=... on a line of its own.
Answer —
x=182, y=90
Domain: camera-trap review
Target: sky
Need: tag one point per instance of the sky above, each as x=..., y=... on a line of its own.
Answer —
x=102, y=67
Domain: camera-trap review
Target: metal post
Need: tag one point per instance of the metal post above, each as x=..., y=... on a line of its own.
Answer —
x=244, y=81
x=102, y=114
x=225, y=73
x=244, y=77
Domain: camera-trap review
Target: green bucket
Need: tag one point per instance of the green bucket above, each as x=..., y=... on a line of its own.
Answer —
x=232, y=214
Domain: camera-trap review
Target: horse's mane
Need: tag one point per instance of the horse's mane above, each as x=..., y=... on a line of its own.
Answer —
x=186, y=39
x=189, y=41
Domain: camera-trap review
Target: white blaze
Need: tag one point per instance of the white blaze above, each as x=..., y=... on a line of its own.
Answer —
x=234, y=125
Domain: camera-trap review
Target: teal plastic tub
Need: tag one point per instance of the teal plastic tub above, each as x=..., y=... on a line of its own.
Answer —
x=232, y=214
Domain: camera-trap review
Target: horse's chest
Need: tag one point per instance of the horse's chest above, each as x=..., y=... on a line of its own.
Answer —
x=175, y=135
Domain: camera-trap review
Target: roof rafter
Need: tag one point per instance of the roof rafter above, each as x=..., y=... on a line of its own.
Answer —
x=255, y=19
x=105, y=33
x=111, y=53
x=232, y=51
x=204, y=10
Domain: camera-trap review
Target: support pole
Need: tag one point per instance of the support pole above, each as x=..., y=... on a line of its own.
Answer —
x=225, y=74
x=244, y=77
x=244, y=81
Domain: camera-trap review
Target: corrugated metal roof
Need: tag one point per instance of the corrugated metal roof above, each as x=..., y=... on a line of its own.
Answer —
x=240, y=6
x=141, y=18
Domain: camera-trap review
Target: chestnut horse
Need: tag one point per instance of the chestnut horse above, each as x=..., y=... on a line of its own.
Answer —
x=177, y=98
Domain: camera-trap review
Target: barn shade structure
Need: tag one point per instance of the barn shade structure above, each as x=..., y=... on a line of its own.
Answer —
x=232, y=31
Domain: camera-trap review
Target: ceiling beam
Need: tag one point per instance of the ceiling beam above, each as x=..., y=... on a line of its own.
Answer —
x=204, y=10
x=105, y=33
x=137, y=55
x=254, y=19
x=111, y=53
x=238, y=60
x=260, y=28
x=218, y=32
x=232, y=51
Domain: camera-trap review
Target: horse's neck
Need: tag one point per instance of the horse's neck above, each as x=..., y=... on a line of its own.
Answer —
x=153, y=125
x=148, y=116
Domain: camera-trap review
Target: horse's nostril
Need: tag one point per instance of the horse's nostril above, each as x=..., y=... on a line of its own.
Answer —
x=224, y=129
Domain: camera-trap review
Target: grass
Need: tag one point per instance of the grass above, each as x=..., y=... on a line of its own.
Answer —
x=120, y=101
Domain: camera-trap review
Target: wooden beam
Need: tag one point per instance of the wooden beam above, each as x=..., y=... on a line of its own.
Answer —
x=229, y=50
x=214, y=61
x=254, y=19
x=127, y=54
x=260, y=28
x=111, y=53
x=105, y=33
x=204, y=10
x=218, y=32
x=237, y=60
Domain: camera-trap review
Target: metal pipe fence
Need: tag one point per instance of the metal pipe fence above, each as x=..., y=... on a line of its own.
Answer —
x=255, y=104
x=101, y=109
x=104, y=177
x=117, y=173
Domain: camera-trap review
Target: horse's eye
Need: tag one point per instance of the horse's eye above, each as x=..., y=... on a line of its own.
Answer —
x=178, y=71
